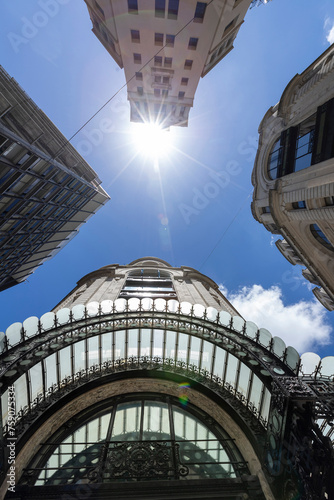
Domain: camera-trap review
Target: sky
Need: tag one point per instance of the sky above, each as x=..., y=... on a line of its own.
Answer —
x=175, y=210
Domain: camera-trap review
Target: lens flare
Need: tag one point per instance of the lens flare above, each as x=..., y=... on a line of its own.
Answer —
x=183, y=396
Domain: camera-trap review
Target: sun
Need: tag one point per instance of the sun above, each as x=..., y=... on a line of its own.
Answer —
x=151, y=140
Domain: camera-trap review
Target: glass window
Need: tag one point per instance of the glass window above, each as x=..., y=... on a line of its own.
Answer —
x=133, y=6
x=321, y=237
x=135, y=36
x=160, y=6
x=181, y=95
x=299, y=204
x=157, y=92
x=168, y=62
x=158, y=61
x=157, y=79
x=137, y=58
x=100, y=10
x=188, y=64
x=158, y=38
x=165, y=80
x=304, y=148
x=275, y=160
x=173, y=8
x=170, y=40
x=139, y=76
x=192, y=43
x=200, y=12
x=140, y=90
x=164, y=93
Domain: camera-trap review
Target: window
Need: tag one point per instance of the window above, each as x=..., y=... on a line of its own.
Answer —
x=135, y=36
x=230, y=25
x=165, y=80
x=168, y=62
x=164, y=93
x=181, y=95
x=137, y=58
x=157, y=79
x=170, y=40
x=304, y=148
x=329, y=201
x=182, y=111
x=192, y=43
x=321, y=237
x=158, y=39
x=133, y=6
x=173, y=8
x=184, y=81
x=199, y=12
x=275, y=160
x=188, y=64
x=158, y=61
x=139, y=75
x=156, y=92
x=100, y=10
x=266, y=210
x=299, y=205
x=140, y=90
x=160, y=6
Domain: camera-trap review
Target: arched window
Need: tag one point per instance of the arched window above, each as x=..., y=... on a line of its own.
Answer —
x=152, y=283
x=275, y=160
x=140, y=438
x=321, y=237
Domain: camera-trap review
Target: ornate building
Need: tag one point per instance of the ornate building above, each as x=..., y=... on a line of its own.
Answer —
x=47, y=190
x=165, y=46
x=293, y=175
x=145, y=382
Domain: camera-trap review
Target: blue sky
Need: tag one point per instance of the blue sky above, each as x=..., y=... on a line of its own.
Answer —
x=166, y=212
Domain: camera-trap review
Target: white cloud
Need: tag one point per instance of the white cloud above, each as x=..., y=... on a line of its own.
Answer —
x=302, y=325
x=329, y=27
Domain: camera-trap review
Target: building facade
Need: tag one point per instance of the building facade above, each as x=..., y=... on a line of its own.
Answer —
x=293, y=175
x=145, y=382
x=165, y=46
x=47, y=190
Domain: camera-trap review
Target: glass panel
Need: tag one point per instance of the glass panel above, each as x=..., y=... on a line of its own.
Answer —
x=120, y=305
x=30, y=326
x=145, y=342
x=63, y=316
x=238, y=323
x=199, y=310
x=127, y=422
x=47, y=321
x=65, y=363
x=92, y=308
x=160, y=304
x=185, y=308
x=219, y=366
x=309, y=362
x=266, y=404
x=50, y=370
x=264, y=337
x=133, y=342
x=156, y=421
x=292, y=358
x=158, y=343
x=4, y=406
x=173, y=306
x=170, y=344
x=195, y=351
x=13, y=334
x=120, y=344
x=21, y=392
x=106, y=306
x=93, y=351
x=244, y=379
x=224, y=318
x=207, y=355
x=106, y=346
x=2, y=341
x=134, y=304
x=278, y=347
x=231, y=371
x=183, y=347
x=211, y=313
x=256, y=392
x=78, y=312
x=251, y=329
x=36, y=381
x=147, y=304
x=79, y=356
x=327, y=366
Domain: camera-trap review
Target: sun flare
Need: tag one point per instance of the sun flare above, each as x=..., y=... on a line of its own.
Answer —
x=151, y=140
